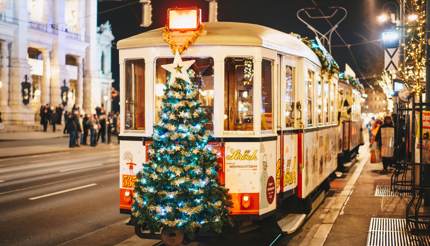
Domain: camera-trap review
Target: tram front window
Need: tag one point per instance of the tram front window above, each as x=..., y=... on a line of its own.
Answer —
x=238, y=94
x=135, y=95
x=201, y=74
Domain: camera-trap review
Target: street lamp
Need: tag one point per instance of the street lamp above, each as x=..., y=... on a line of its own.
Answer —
x=391, y=38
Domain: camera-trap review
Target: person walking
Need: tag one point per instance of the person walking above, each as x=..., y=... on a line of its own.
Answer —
x=385, y=140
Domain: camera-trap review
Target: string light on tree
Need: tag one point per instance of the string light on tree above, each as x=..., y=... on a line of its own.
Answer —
x=178, y=188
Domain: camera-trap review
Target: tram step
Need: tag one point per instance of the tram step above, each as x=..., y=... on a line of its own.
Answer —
x=290, y=223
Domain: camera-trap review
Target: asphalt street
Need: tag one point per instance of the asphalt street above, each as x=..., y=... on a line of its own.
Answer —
x=68, y=198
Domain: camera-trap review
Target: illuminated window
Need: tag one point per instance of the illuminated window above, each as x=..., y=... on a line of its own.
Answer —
x=135, y=95
x=332, y=102
x=310, y=95
x=266, y=95
x=326, y=101
x=319, y=102
x=201, y=74
x=289, y=97
x=238, y=94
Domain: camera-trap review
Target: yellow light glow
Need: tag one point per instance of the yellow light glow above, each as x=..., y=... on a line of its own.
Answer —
x=184, y=19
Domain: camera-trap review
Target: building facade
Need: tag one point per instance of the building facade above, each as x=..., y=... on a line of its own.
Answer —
x=52, y=52
x=376, y=101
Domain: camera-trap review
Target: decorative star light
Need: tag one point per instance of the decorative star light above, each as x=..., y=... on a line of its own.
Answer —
x=178, y=69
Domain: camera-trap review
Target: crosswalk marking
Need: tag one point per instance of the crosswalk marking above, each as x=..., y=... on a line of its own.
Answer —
x=62, y=191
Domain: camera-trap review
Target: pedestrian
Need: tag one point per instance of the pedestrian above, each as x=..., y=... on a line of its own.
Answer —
x=66, y=120
x=1, y=123
x=101, y=114
x=44, y=117
x=73, y=129
x=385, y=140
x=53, y=118
x=110, y=128
x=94, y=124
x=79, y=132
x=85, y=129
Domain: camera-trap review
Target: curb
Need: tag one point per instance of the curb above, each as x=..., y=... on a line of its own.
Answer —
x=30, y=154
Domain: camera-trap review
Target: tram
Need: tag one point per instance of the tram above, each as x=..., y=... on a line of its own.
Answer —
x=349, y=116
x=273, y=113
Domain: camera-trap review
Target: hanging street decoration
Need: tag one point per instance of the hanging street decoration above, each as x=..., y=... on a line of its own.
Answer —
x=412, y=69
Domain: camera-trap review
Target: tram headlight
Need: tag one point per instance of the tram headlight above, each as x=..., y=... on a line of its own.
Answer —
x=183, y=19
x=246, y=201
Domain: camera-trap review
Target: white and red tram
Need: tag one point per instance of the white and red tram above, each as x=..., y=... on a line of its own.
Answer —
x=273, y=117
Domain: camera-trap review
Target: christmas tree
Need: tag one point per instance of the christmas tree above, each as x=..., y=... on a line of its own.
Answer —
x=178, y=188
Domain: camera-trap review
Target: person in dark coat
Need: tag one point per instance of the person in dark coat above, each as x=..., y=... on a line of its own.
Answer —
x=44, y=117
x=385, y=140
x=73, y=127
x=66, y=120
x=85, y=129
x=101, y=114
x=53, y=118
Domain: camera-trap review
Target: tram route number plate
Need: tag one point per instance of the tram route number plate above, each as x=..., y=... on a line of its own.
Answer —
x=128, y=181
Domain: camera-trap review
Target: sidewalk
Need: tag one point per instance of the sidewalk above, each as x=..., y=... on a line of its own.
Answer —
x=16, y=144
x=372, y=200
x=33, y=135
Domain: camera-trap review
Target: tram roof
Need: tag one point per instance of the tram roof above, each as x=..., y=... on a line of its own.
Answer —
x=231, y=33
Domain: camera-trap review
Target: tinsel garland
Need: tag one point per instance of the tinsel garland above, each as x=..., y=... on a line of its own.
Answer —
x=328, y=65
x=174, y=46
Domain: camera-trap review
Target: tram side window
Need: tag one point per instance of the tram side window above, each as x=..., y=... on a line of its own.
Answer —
x=289, y=97
x=238, y=94
x=332, y=103
x=326, y=101
x=266, y=95
x=310, y=95
x=201, y=74
x=135, y=95
x=319, y=102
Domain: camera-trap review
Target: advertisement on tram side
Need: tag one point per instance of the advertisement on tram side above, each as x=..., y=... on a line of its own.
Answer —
x=290, y=162
x=250, y=171
x=319, y=158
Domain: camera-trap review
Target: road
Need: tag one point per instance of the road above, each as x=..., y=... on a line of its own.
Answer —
x=68, y=198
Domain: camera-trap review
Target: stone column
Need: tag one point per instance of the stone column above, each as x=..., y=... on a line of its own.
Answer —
x=4, y=76
x=19, y=113
x=91, y=81
x=80, y=84
x=58, y=63
x=45, y=90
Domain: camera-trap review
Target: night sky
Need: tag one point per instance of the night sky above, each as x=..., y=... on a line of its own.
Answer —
x=360, y=27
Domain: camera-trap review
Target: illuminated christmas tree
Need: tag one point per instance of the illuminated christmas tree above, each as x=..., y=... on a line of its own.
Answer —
x=178, y=188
